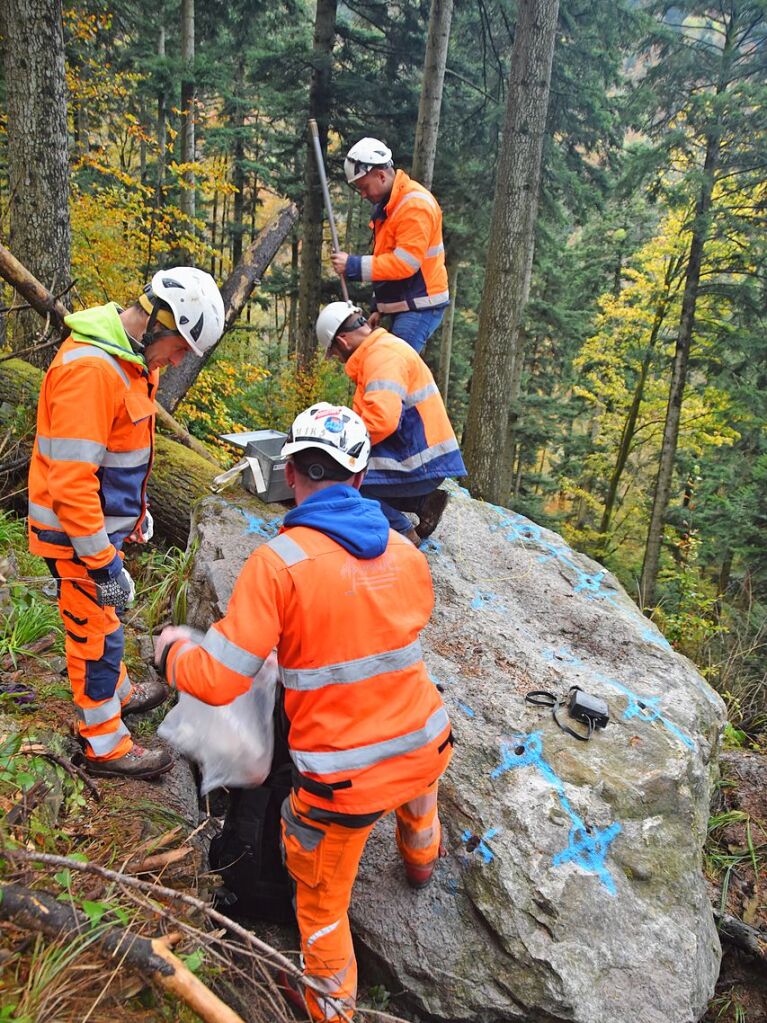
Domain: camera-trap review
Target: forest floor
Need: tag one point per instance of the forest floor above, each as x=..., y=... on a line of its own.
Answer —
x=118, y=824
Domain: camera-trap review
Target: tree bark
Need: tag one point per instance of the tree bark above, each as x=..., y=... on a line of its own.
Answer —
x=510, y=250
x=38, y=911
x=38, y=170
x=187, y=202
x=435, y=61
x=236, y=290
x=446, y=337
x=662, y=492
x=238, y=162
x=311, y=246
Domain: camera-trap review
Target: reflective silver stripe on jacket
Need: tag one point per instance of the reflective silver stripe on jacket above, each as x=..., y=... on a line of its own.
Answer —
x=386, y=385
x=85, y=545
x=420, y=458
x=127, y=459
x=348, y=672
x=48, y=517
x=366, y=268
x=393, y=307
x=288, y=550
x=366, y=756
x=92, y=352
x=407, y=257
x=435, y=250
x=102, y=745
x=100, y=715
x=230, y=655
x=423, y=196
x=427, y=301
x=408, y=400
x=71, y=449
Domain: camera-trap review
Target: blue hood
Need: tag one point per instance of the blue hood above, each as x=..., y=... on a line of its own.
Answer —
x=341, y=513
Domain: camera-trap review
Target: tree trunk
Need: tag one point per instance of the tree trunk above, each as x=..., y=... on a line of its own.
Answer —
x=238, y=162
x=509, y=258
x=446, y=337
x=678, y=376
x=187, y=202
x=311, y=246
x=435, y=61
x=236, y=290
x=38, y=171
x=162, y=128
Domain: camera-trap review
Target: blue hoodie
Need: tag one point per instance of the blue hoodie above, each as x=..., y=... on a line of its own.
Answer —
x=341, y=513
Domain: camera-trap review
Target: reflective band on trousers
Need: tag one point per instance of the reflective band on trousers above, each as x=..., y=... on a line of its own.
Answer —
x=108, y=709
x=408, y=400
x=287, y=549
x=230, y=655
x=102, y=745
x=112, y=523
x=93, y=544
x=348, y=672
x=422, y=458
x=366, y=756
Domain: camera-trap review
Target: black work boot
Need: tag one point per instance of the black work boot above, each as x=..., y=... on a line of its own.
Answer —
x=146, y=696
x=432, y=508
x=136, y=763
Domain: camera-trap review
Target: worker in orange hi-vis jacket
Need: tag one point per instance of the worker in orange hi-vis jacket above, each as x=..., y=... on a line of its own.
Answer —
x=344, y=600
x=87, y=491
x=407, y=268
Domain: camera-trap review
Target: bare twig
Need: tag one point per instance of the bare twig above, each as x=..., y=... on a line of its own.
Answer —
x=37, y=749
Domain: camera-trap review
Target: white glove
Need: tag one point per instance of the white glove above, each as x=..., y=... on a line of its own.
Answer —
x=169, y=635
x=147, y=527
x=144, y=532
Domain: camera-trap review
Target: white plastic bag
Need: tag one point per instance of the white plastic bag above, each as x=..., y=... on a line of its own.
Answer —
x=232, y=744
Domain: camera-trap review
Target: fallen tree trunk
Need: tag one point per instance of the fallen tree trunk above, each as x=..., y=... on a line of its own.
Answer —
x=180, y=477
x=235, y=291
x=150, y=957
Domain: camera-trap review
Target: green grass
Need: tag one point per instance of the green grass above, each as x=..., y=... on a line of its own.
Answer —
x=28, y=620
x=162, y=584
x=13, y=540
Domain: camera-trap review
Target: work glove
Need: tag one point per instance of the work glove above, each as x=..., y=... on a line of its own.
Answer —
x=114, y=586
x=144, y=532
x=169, y=635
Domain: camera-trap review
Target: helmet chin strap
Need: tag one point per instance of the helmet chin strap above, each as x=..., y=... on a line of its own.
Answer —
x=140, y=347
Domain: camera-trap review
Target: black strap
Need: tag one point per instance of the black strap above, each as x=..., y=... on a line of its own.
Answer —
x=325, y=790
x=449, y=741
x=544, y=698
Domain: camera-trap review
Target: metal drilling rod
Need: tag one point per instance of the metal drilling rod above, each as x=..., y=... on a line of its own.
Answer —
x=326, y=196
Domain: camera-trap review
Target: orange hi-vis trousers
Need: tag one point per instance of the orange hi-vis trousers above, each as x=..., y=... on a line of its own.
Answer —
x=322, y=854
x=94, y=647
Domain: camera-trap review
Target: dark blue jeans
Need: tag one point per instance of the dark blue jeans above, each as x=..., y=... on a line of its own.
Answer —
x=396, y=498
x=417, y=327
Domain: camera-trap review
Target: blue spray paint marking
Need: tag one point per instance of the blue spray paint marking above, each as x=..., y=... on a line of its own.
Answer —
x=484, y=598
x=518, y=529
x=587, y=847
x=466, y=709
x=430, y=546
x=262, y=527
x=482, y=847
x=646, y=708
x=656, y=638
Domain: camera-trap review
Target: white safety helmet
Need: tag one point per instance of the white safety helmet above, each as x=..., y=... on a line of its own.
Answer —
x=331, y=318
x=194, y=300
x=334, y=429
x=364, y=156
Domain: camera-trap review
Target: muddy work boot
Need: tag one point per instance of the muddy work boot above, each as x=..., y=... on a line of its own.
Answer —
x=432, y=508
x=136, y=763
x=146, y=696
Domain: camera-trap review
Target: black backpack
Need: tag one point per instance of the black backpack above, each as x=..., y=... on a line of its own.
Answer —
x=247, y=852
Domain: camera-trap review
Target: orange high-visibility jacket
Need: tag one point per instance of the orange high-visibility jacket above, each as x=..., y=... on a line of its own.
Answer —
x=94, y=444
x=400, y=404
x=368, y=729
x=407, y=267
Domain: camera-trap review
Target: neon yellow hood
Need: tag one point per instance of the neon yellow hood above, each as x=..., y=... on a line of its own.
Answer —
x=101, y=326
